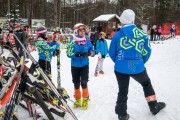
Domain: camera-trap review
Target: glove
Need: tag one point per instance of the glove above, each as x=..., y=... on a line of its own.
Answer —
x=81, y=54
x=78, y=55
x=99, y=55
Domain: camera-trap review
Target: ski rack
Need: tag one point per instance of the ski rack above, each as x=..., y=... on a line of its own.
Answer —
x=48, y=81
x=25, y=78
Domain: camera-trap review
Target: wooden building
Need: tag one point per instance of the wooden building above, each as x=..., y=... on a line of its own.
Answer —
x=106, y=23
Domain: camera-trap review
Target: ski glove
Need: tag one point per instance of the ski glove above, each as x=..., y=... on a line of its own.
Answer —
x=81, y=54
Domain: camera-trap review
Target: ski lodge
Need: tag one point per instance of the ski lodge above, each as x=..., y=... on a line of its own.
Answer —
x=106, y=23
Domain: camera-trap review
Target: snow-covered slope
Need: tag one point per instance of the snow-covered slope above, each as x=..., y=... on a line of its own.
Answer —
x=163, y=69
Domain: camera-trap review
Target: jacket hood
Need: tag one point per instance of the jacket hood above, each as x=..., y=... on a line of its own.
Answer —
x=127, y=30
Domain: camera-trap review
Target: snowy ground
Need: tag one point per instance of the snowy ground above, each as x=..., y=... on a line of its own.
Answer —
x=162, y=68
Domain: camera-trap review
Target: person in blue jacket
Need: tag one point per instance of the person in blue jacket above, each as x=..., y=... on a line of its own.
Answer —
x=45, y=49
x=102, y=51
x=78, y=49
x=173, y=31
x=130, y=49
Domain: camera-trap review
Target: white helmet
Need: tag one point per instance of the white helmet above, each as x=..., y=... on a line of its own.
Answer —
x=77, y=27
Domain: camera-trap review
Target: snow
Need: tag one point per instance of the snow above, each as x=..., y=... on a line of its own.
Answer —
x=162, y=68
x=105, y=18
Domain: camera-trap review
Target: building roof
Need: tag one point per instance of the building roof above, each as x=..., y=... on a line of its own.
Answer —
x=105, y=18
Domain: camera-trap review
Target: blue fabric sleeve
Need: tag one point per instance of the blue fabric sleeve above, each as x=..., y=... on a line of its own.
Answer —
x=50, y=48
x=147, y=49
x=107, y=47
x=52, y=43
x=90, y=47
x=97, y=46
x=113, y=47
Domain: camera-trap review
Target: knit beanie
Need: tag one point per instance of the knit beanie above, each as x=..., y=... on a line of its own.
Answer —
x=127, y=17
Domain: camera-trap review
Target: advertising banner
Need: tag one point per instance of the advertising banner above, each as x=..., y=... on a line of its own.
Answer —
x=3, y=22
x=37, y=22
x=23, y=21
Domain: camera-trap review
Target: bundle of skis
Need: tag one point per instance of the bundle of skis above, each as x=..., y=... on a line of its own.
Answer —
x=18, y=86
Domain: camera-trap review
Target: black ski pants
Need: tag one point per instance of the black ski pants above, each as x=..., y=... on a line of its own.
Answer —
x=80, y=76
x=123, y=83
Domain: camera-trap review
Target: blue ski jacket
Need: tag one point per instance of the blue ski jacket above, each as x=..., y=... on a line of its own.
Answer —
x=130, y=49
x=45, y=50
x=74, y=48
x=102, y=47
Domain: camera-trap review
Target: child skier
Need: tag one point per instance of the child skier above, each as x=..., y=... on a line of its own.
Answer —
x=102, y=50
x=45, y=49
x=78, y=49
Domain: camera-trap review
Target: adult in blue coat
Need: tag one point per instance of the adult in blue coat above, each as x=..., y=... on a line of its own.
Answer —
x=78, y=49
x=102, y=51
x=130, y=49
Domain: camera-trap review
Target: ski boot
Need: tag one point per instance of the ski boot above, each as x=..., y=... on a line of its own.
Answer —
x=77, y=103
x=101, y=72
x=126, y=117
x=159, y=106
x=63, y=92
x=85, y=103
x=36, y=74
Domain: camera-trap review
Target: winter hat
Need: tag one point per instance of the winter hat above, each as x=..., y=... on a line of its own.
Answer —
x=127, y=17
x=41, y=32
x=41, y=29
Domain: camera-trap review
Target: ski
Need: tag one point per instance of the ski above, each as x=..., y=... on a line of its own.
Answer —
x=58, y=70
x=12, y=102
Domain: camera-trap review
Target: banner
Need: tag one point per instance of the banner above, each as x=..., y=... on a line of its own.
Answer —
x=23, y=21
x=3, y=22
x=37, y=22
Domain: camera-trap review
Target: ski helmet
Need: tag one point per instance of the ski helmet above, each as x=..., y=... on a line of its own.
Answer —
x=77, y=27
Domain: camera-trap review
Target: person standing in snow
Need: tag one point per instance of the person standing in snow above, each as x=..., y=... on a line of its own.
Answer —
x=22, y=37
x=78, y=49
x=159, y=32
x=96, y=37
x=87, y=33
x=102, y=51
x=173, y=31
x=45, y=49
x=130, y=49
x=112, y=33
